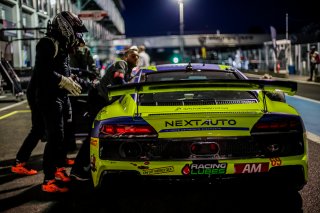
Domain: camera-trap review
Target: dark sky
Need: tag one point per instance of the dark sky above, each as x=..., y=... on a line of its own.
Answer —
x=161, y=17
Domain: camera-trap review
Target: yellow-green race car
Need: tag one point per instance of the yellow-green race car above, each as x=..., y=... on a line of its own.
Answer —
x=200, y=123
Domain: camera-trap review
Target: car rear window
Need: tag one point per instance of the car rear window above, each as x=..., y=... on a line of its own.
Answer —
x=197, y=98
x=189, y=75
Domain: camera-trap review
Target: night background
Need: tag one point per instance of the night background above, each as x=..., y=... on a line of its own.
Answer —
x=161, y=17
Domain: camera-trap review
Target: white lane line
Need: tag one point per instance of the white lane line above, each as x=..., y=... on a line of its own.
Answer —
x=313, y=137
x=13, y=105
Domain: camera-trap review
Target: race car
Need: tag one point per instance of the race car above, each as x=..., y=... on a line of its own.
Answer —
x=199, y=123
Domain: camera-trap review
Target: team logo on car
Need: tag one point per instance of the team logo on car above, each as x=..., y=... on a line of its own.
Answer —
x=156, y=171
x=204, y=169
x=199, y=122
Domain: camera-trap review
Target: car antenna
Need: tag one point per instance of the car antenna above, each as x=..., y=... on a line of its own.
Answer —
x=189, y=67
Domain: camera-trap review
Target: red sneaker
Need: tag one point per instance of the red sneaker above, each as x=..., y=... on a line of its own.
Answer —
x=52, y=187
x=20, y=168
x=69, y=162
x=61, y=174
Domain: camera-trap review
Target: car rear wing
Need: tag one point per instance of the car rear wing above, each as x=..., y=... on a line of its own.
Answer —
x=288, y=87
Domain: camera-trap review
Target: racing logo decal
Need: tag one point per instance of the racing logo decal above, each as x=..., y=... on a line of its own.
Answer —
x=157, y=171
x=275, y=161
x=202, y=125
x=94, y=141
x=204, y=169
x=93, y=163
x=199, y=122
x=251, y=168
x=200, y=108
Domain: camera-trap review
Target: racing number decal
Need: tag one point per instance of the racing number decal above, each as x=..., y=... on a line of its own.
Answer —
x=275, y=161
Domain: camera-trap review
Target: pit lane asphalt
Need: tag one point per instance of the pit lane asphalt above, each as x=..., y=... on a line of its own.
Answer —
x=23, y=194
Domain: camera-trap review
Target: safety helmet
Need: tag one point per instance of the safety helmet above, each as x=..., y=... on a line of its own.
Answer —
x=69, y=27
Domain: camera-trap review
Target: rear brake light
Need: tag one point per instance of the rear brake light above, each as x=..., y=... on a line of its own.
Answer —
x=126, y=130
x=278, y=123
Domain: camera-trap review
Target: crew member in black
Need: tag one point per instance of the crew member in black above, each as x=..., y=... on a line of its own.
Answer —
x=53, y=81
x=36, y=133
x=117, y=74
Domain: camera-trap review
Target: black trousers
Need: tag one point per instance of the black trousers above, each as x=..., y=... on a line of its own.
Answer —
x=57, y=116
x=36, y=133
x=313, y=70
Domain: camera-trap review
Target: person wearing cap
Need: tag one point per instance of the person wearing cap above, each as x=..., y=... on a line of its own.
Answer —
x=314, y=61
x=53, y=82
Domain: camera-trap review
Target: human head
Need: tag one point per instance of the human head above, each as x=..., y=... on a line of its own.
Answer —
x=68, y=28
x=142, y=48
x=131, y=56
x=313, y=48
x=134, y=47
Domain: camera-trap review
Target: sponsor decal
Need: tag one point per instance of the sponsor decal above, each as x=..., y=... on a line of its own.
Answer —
x=276, y=161
x=204, y=169
x=143, y=167
x=251, y=168
x=199, y=122
x=93, y=163
x=157, y=171
x=94, y=141
x=200, y=108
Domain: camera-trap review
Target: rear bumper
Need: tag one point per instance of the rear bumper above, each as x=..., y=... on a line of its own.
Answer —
x=292, y=177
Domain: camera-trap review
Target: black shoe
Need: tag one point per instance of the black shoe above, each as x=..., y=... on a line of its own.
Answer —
x=309, y=79
x=80, y=176
x=44, y=138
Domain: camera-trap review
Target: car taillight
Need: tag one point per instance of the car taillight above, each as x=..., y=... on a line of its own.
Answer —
x=279, y=135
x=128, y=130
x=278, y=123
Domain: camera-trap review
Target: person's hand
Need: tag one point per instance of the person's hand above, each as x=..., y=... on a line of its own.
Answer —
x=73, y=87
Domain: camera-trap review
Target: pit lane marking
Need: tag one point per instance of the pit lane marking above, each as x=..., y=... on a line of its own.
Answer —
x=313, y=137
x=13, y=105
x=13, y=113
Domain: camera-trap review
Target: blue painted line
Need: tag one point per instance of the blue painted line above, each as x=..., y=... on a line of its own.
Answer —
x=309, y=111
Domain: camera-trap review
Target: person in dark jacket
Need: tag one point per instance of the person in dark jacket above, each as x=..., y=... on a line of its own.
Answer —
x=37, y=133
x=117, y=74
x=53, y=82
x=314, y=61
